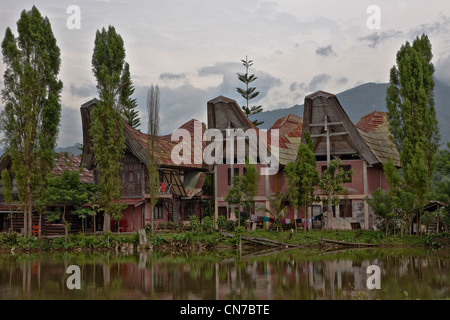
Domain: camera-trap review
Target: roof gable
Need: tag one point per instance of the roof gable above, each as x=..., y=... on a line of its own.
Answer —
x=346, y=139
x=137, y=142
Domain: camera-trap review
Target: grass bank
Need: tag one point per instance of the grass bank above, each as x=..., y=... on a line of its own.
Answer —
x=212, y=240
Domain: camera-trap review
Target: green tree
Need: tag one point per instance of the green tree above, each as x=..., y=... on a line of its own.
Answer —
x=249, y=93
x=106, y=125
x=32, y=110
x=302, y=177
x=89, y=192
x=383, y=205
x=65, y=190
x=244, y=188
x=127, y=103
x=152, y=148
x=331, y=183
x=412, y=116
x=7, y=193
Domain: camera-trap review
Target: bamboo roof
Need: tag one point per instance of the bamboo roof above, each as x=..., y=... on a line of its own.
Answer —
x=374, y=129
x=138, y=142
x=370, y=138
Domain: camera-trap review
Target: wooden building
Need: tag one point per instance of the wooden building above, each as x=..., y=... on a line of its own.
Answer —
x=362, y=147
x=63, y=161
x=183, y=190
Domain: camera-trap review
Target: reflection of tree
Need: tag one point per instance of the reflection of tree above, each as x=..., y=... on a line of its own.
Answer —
x=293, y=275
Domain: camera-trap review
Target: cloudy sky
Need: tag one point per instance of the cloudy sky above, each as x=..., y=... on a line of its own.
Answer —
x=192, y=49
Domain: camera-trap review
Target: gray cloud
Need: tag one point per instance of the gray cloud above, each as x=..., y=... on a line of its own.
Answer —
x=342, y=80
x=83, y=91
x=443, y=70
x=183, y=103
x=318, y=81
x=70, y=129
x=325, y=51
x=172, y=76
x=229, y=70
x=440, y=26
x=377, y=37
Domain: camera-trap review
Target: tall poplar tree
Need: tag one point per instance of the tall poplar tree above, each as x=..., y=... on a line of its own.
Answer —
x=106, y=125
x=412, y=116
x=152, y=150
x=32, y=107
x=249, y=93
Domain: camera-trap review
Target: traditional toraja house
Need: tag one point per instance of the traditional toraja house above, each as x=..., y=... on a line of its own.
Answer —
x=362, y=147
x=225, y=113
x=63, y=161
x=183, y=190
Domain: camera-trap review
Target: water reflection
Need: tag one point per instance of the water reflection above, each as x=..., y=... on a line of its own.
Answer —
x=291, y=274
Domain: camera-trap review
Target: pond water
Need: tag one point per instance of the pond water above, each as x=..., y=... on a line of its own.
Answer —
x=289, y=275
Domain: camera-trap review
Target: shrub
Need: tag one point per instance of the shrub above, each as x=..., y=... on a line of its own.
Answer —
x=208, y=224
x=221, y=222
x=8, y=239
x=158, y=240
x=230, y=225
x=194, y=223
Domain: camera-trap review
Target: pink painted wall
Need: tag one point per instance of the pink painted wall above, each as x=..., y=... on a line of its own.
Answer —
x=128, y=217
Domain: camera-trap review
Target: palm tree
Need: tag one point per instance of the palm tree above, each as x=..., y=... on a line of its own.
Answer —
x=278, y=209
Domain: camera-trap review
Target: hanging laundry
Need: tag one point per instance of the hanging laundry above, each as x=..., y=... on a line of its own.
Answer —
x=266, y=219
x=271, y=220
x=283, y=221
x=288, y=221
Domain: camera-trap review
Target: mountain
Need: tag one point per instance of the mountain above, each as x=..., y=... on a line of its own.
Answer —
x=363, y=99
x=71, y=149
x=75, y=149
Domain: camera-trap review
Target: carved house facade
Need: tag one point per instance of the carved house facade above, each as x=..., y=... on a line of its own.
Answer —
x=363, y=148
x=183, y=190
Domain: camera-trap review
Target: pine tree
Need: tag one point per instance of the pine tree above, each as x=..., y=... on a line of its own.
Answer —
x=412, y=116
x=106, y=125
x=128, y=105
x=32, y=111
x=249, y=93
x=302, y=177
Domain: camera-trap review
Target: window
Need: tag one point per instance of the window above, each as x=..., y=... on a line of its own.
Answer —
x=345, y=208
x=158, y=213
x=236, y=172
x=130, y=176
x=347, y=168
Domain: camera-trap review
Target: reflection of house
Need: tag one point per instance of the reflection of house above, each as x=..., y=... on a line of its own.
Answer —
x=182, y=191
x=362, y=147
x=63, y=161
